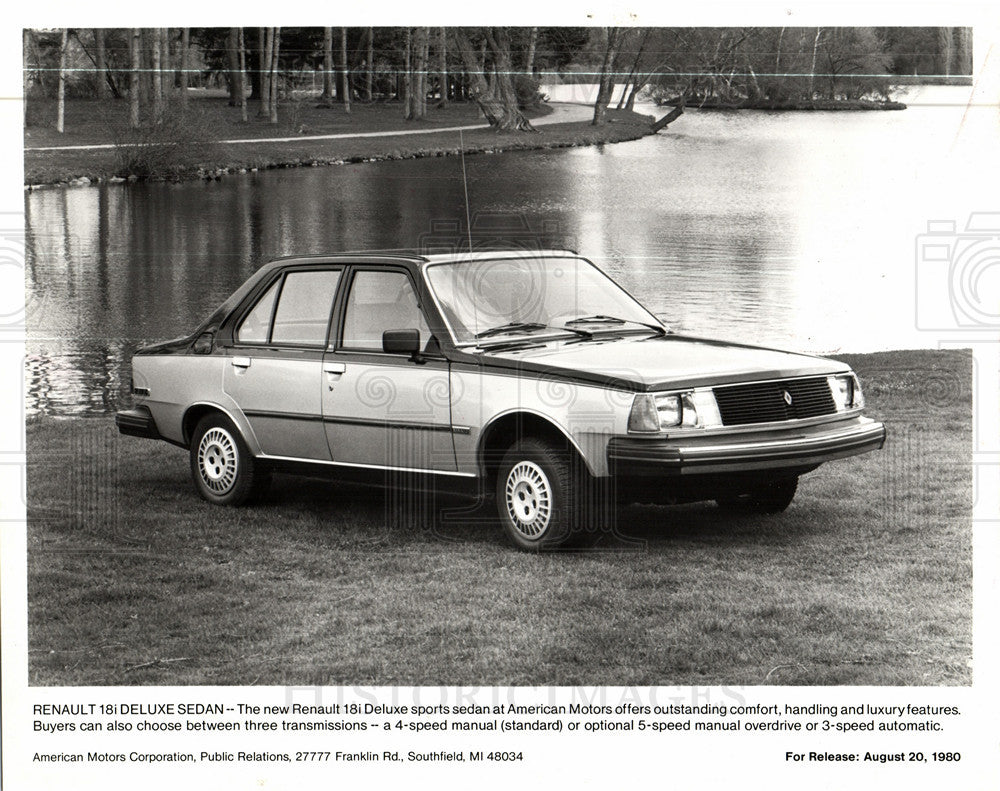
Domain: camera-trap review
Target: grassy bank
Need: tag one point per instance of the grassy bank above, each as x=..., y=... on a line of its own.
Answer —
x=866, y=579
x=209, y=121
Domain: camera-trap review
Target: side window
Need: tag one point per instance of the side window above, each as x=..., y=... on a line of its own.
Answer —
x=304, y=308
x=256, y=326
x=380, y=301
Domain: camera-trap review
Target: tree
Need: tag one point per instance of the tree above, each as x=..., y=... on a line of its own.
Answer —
x=133, y=89
x=233, y=65
x=443, y=66
x=100, y=65
x=345, y=74
x=498, y=100
x=612, y=37
x=243, y=78
x=156, y=52
x=61, y=111
x=327, y=94
x=183, y=64
x=370, y=65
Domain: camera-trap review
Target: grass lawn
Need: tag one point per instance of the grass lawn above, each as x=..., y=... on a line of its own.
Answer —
x=866, y=579
x=209, y=120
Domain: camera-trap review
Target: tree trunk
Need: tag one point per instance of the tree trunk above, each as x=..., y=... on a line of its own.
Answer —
x=133, y=87
x=243, y=76
x=266, y=49
x=632, y=74
x=529, y=59
x=606, y=82
x=670, y=117
x=233, y=64
x=61, y=110
x=418, y=74
x=501, y=111
x=157, y=76
x=345, y=74
x=945, y=39
x=812, y=70
x=183, y=58
x=327, y=94
x=443, y=66
x=167, y=63
x=408, y=76
x=370, y=65
x=275, y=49
x=100, y=64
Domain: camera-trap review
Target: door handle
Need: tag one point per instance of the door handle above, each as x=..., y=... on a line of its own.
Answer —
x=240, y=362
x=334, y=368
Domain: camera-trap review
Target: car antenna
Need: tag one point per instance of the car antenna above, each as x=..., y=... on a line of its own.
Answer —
x=465, y=186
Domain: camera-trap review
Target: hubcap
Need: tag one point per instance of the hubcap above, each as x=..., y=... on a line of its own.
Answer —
x=217, y=460
x=529, y=499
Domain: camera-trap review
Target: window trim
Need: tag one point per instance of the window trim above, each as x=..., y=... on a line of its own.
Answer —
x=280, y=279
x=337, y=343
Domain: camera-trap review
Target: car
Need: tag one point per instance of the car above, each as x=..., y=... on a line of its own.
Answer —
x=528, y=378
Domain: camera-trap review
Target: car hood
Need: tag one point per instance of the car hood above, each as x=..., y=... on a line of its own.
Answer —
x=658, y=362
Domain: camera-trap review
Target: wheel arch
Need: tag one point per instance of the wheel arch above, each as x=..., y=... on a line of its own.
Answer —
x=502, y=430
x=195, y=412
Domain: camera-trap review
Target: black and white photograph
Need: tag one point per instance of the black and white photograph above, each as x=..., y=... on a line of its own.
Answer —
x=512, y=358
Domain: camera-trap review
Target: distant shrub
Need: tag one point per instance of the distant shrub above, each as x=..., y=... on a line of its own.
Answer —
x=176, y=143
x=528, y=93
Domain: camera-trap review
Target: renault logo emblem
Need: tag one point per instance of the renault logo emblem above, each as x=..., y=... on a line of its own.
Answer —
x=788, y=398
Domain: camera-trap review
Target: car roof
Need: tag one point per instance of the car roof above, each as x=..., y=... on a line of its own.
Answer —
x=397, y=256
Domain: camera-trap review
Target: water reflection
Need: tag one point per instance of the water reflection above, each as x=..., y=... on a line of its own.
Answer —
x=795, y=230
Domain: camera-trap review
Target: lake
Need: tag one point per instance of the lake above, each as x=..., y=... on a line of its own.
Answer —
x=795, y=230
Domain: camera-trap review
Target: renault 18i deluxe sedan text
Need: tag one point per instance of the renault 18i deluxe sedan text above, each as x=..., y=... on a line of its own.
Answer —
x=529, y=377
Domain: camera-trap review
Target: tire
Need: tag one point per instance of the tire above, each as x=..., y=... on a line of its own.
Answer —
x=772, y=497
x=223, y=469
x=537, y=491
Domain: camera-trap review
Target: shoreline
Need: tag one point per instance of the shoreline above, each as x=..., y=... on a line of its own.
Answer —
x=48, y=168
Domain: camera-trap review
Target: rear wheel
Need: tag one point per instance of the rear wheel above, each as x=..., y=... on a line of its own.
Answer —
x=772, y=497
x=537, y=491
x=224, y=471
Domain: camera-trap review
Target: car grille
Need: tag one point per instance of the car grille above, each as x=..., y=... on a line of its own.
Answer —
x=765, y=402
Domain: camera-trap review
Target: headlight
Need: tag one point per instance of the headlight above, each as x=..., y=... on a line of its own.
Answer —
x=654, y=413
x=846, y=392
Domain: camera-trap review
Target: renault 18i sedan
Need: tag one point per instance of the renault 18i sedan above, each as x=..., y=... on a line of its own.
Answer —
x=528, y=378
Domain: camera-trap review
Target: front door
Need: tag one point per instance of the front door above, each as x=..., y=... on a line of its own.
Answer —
x=385, y=410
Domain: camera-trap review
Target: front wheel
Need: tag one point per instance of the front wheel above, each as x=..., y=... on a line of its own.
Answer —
x=224, y=471
x=537, y=491
x=772, y=497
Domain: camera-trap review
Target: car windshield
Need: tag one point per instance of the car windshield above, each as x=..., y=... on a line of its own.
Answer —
x=496, y=299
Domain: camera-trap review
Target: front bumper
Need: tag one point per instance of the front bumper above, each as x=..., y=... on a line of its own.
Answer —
x=798, y=449
x=137, y=422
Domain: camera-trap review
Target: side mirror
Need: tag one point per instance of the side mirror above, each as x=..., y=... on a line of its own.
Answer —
x=402, y=342
x=203, y=343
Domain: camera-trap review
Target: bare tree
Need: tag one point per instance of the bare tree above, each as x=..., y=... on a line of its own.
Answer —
x=61, y=111
x=156, y=52
x=183, y=63
x=407, y=70
x=327, y=94
x=498, y=101
x=612, y=38
x=233, y=65
x=370, y=65
x=100, y=65
x=266, y=38
x=529, y=59
x=243, y=77
x=133, y=89
x=275, y=49
x=812, y=69
x=345, y=74
x=443, y=66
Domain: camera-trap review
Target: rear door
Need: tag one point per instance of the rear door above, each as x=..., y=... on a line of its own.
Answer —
x=274, y=369
x=385, y=410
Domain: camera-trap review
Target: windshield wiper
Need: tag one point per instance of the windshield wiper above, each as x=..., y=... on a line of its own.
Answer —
x=514, y=326
x=600, y=318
